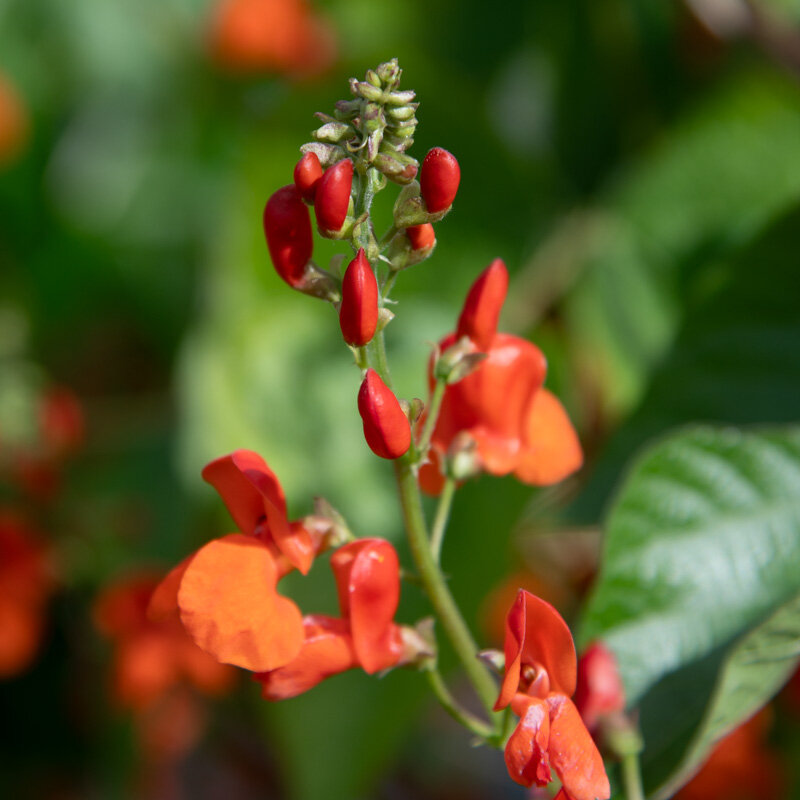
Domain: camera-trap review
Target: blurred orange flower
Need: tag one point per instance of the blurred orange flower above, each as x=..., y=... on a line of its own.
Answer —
x=151, y=659
x=26, y=582
x=282, y=36
x=13, y=122
x=740, y=767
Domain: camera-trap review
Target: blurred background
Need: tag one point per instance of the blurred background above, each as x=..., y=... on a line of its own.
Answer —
x=637, y=166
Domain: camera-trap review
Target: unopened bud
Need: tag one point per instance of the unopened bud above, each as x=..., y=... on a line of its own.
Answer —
x=287, y=227
x=389, y=72
x=439, y=179
x=358, y=313
x=333, y=196
x=386, y=427
x=385, y=316
x=328, y=154
x=398, y=167
x=334, y=132
x=494, y=659
x=306, y=176
x=418, y=643
x=422, y=238
x=482, y=306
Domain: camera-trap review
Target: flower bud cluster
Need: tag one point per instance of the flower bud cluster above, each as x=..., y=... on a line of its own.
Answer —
x=378, y=125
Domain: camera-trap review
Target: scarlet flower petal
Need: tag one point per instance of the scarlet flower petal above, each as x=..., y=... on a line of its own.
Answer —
x=482, y=307
x=327, y=650
x=252, y=493
x=230, y=606
x=573, y=753
x=537, y=635
x=144, y=668
x=163, y=603
x=551, y=449
x=526, y=750
x=367, y=575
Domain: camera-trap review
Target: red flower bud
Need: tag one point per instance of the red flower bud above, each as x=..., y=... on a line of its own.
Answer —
x=333, y=195
x=439, y=179
x=358, y=314
x=421, y=237
x=386, y=427
x=306, y=176
x=599, y=691
x=287, y=226
x=481, y=310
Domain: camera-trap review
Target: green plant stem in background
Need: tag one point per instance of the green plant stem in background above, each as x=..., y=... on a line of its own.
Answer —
x=442, y=516
x=631, y=777
x=453, y=708
x=435, y=586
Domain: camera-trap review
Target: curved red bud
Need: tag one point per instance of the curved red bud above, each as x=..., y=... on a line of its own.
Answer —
x=573, y=754
x=386, y=427
x=307, y=174
x=439, y=178
x=333, y=195
x=367, y=575
x=327, y=650
x=422, y=237
x=287, y=226
x=536, y=635
x=358, y=313
x=482, y=307
x=599, y=690
x=252, y=494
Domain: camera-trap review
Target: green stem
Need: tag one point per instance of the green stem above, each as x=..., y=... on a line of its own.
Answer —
x=454, y=708
x=435, y=586
x=434, y=405
x=387, y=237
x=442, y=516
x=388, y=284
x=632, y=777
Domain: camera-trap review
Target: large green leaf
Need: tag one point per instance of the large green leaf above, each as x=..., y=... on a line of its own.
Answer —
x=702, y=547
x=757, y=666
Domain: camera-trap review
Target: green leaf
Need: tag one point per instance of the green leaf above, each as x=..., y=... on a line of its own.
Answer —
x=759, y=664
x=702, y=547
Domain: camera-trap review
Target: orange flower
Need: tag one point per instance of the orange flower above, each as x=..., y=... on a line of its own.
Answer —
x=516, y=425
x=151, y=659
x=540, y=677
x=271, y=36
x=740, y=767
x=13, y=123
x=25, y=585
x=367, y=574
x=226, y=593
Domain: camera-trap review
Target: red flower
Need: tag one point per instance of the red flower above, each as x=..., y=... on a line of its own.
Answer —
x=152, y=658
x=226, y=593
x=540, y=677
x=599, y=692
x=25, y=585
x=272, y=36
x=367, y=576
x=517, y=425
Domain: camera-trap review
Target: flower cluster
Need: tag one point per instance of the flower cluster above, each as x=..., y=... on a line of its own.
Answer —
x=226, y=594
x=539, y=679
x=500, y=411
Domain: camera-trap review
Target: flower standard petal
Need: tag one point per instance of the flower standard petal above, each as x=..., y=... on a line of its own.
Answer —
x=252, y=494
x=230, y=606
x=537, y=635
x=367, y=575
x=551, y=450
x=327, y=650
x=573, y=753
